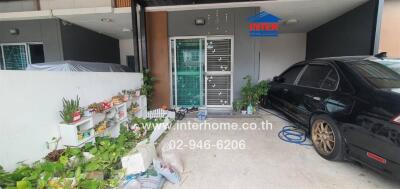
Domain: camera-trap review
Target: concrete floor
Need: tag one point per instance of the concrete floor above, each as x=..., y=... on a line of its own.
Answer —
x=266, y=162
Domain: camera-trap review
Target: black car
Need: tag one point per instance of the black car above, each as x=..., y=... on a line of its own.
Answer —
x=350, y=106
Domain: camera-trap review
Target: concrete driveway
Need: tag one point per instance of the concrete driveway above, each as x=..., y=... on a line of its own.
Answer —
x=264, y=162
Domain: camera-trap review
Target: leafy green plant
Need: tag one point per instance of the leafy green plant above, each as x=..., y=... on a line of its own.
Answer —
x=148, y=85
x=69, y=108
x=251, y=94
x=238, y=105
x=55, y=154
x=73, y=167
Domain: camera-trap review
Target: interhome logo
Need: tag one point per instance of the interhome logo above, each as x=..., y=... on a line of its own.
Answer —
x=263, y=24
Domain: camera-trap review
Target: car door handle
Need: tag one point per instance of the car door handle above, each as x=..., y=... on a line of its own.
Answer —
x=285, y=90
x=316, y=98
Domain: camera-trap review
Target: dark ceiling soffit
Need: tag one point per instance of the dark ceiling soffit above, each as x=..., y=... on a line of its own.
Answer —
x=153, y=3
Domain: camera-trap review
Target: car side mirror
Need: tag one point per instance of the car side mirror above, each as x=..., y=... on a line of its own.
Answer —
x=278, y=79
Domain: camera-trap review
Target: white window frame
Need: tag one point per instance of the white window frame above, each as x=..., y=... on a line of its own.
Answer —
x=27, y=51
x=231, y=37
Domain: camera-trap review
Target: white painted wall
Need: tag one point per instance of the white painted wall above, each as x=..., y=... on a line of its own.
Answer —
x=278, y=53
x=31, y=100
x=70, y=4
x=125, y=49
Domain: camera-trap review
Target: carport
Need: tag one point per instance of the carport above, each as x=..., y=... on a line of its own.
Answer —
x=308, y=29
x=200, y=51
x=265, y=162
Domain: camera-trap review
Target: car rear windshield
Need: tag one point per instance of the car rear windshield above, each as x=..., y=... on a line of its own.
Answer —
x=377, y=74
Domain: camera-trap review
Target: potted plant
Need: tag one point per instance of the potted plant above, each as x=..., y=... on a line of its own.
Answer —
x=101, y=127
x=125, y=94
x=147, y=88
x=56, y=153
x=237, y=105
x=87, y=112
x=244, y=111
x=137, y=93
x=252, y=93
x=117, y=100
x=134, y=108
x=71, y=111
x=106, y=105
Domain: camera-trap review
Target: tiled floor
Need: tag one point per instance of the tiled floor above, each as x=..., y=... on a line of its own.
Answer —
x=266, y=161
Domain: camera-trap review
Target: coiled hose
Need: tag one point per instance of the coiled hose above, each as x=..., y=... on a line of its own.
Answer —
x=291, y=134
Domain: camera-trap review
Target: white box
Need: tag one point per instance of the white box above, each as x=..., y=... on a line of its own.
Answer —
x=139, y=159
x=159, y=129
x=69, y=132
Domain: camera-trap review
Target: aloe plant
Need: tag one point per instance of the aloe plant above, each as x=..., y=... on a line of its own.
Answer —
x=69, y=108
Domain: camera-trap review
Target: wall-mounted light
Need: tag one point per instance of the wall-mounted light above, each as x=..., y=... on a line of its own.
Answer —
x=14, y=31
x=291, y=21
x=200, y=21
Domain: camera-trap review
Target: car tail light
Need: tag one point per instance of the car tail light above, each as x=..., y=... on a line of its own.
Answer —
x=376, y=158
x=396, y=120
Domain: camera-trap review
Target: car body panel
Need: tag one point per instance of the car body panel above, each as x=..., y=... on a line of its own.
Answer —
x=362, y=112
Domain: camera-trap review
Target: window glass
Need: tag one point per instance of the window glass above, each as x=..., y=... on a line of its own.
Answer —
x=15, y=57
x=377, y=74
x=314, y=76
x=330, y=81
x=393, y=64
x=290, y=75
x=36, y=53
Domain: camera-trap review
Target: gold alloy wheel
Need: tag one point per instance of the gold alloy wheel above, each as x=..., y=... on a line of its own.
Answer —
x=323, y=137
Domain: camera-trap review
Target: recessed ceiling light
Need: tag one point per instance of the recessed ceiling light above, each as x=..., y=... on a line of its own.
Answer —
x=106, y=20
x=291, y=21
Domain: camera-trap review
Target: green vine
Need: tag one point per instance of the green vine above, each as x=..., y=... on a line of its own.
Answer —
x=148, y=86
x=74, y=169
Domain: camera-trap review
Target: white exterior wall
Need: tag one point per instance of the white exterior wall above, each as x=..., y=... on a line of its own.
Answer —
x=70, y=4
x=125, y=49
x=278, y=53
x=31, y=101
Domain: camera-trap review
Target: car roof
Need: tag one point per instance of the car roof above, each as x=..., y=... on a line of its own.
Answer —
x=339, y=60
x=345, y=59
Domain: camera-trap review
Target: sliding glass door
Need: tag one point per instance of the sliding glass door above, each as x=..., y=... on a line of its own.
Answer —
x=188, y=71
x=201, y=71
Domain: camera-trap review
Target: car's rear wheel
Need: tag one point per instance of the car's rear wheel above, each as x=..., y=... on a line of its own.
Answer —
x=326, y=138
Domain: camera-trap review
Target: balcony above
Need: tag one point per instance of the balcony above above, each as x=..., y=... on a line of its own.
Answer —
x=19, y=6
x=37, y=5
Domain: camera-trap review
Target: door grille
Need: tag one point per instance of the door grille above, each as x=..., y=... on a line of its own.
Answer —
x=219, y=55
x=219, y=61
